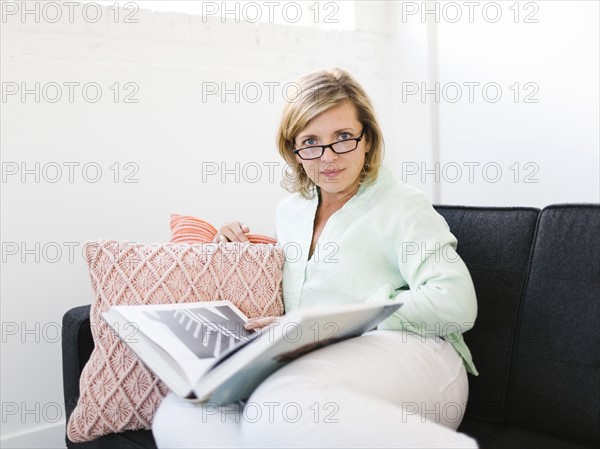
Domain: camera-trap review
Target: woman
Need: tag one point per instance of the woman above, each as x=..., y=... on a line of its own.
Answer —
x=363, y=236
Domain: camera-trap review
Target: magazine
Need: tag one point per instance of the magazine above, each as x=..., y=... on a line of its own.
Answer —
x=203, y=352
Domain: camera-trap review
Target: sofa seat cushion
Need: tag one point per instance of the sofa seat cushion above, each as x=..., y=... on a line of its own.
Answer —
x=491, y=435
x=131, y=439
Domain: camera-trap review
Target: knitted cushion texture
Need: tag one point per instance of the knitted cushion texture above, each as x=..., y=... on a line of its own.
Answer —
x=117, y=391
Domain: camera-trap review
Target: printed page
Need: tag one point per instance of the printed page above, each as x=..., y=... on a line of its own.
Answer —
x=193, y=335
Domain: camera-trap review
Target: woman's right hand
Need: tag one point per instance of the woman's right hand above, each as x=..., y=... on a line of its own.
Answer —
x=232, y=232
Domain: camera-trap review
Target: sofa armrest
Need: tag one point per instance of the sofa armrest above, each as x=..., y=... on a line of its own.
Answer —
x=77, y=346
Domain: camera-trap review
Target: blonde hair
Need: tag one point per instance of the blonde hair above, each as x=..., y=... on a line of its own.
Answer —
x=318, y=92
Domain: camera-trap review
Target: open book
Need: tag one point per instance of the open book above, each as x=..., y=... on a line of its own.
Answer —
x=202, y=351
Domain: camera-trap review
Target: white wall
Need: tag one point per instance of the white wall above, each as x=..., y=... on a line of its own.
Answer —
x=534, y=144
x=411, y=140
x=170, y=132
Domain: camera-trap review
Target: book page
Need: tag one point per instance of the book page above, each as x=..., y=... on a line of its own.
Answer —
x=192, y=335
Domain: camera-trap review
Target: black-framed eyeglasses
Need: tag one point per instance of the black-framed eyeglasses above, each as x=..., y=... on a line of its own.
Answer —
x=339, y=147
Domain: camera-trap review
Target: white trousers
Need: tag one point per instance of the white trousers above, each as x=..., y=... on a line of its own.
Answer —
x=383, y=389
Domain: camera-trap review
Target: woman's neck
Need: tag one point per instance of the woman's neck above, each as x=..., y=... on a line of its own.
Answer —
x=334, y=201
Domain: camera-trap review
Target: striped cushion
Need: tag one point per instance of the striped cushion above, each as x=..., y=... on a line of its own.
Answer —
x=188, y=229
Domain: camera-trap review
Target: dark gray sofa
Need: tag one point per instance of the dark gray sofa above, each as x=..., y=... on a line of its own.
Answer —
x=536, y=341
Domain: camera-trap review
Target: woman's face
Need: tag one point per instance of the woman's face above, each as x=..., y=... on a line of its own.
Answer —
x=334, y=173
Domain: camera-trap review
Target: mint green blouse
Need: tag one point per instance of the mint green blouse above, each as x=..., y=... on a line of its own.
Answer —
x=386, y=242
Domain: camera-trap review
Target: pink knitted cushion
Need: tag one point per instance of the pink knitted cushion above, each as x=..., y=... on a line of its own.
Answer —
x=117, y=391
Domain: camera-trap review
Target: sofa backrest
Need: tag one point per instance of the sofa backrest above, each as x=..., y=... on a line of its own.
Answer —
x=555, y=383
x=495, y=244
x=77, y=347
